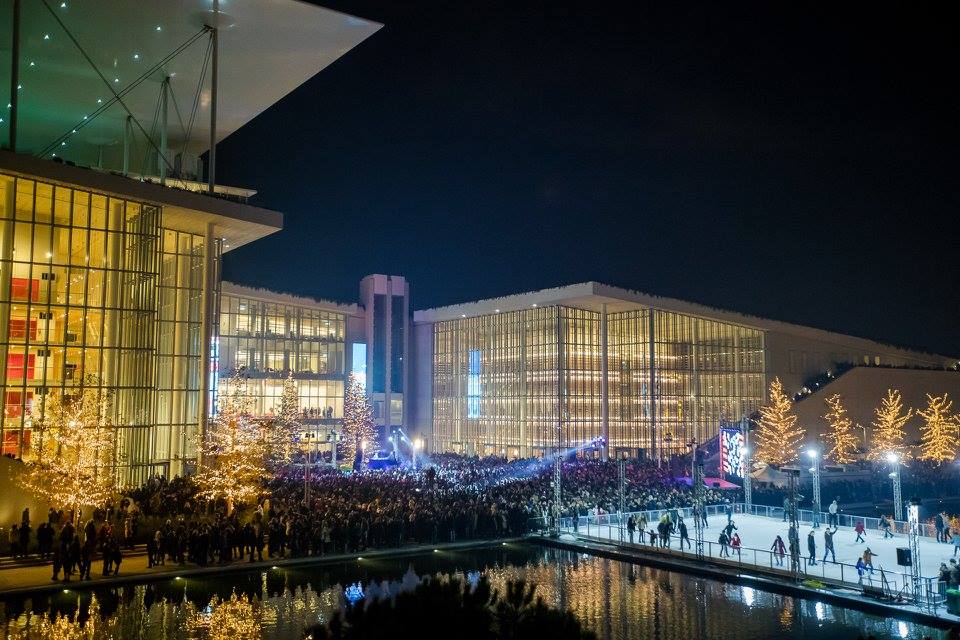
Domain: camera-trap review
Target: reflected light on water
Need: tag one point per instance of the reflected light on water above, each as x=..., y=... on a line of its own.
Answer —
x=747, y=595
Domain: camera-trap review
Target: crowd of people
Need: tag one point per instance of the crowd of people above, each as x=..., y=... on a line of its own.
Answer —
x=449, y=498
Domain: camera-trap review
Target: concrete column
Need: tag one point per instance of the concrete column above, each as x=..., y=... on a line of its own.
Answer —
x=206, y=328
x=6, y=252
x=387, y=357
x=652, y=386
x=604, y=385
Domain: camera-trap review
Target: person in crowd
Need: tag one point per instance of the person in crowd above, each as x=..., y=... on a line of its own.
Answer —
x=833, y=513
x=632, y=528
x=811, y=548
x=885, y=527
x=684, y=534
x=938, y=525
x=779, y=550
x=860, y=529
x=735, y=544
x=724, y=541
x=868, y=557
x=828, y=534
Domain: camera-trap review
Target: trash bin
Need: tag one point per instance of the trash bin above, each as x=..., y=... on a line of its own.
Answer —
x=953, y=601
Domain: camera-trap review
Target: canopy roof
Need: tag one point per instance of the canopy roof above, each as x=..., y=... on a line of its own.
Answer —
x=267, y=48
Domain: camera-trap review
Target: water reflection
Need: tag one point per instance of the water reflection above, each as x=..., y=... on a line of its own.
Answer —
x=614, y=599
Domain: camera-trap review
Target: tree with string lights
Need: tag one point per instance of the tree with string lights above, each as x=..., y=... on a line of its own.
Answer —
x=844, y=442
x=888, y=432
x=940, y=433
x=358, y=430
x=284, y=430
x=233, y=459
x=73, y=448
x=778, y=436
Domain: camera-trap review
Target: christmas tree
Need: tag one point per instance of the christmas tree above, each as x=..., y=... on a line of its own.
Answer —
x=73, y=453
x=357, y=422
x=940, y=433
x=233, y=460
x=284, y=430
x=841, y=432
x=888, y=433
x=778, y=435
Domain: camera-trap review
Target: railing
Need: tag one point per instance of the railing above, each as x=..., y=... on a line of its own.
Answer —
x=613, y=528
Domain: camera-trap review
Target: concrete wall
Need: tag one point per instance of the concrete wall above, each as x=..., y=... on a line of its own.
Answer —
x=863, y=388
x=420, y=389
x=795, y=358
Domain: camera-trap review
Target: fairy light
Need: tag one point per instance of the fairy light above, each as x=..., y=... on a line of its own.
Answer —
x=778, y=434
x=888, y=433
x=841, y=431
x=939, y=437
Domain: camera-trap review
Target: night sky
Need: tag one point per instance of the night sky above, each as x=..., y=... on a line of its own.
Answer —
x=767, y=159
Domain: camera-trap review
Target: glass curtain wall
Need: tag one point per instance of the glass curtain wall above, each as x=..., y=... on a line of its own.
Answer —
x=496, y=381
x=267, y=340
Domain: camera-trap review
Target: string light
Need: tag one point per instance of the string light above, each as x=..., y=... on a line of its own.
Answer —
x=841, y=431
x=778, y=435
x=888, y=433
x=939, y=438
x=357, y=420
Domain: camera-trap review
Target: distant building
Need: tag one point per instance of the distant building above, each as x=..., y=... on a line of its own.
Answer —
x=650, y=374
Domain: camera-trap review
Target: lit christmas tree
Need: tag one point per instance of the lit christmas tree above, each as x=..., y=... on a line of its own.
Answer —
x=238, y=618
x=233, y=459
x=940, y=433
x=357, y=422
x=778, y=435
x=284, y=431
x=888, y=433
x=841, y=432
x=73, y=450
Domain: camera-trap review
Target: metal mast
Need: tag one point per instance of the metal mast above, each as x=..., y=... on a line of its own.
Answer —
x=622, y=471
x=696, y=463
x=913, y=518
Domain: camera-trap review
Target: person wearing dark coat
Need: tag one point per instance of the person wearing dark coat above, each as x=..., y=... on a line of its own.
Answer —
x=812, y=548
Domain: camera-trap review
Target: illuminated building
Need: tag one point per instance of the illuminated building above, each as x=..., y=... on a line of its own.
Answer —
x=650, y=374
x=112, y=224
x=269, y=335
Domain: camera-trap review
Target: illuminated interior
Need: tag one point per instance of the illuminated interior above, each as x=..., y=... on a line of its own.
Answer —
x=503, y=382
x=93, y=287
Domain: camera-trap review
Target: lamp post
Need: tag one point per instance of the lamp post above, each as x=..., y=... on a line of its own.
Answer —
x=747, y=480
x=894, y=459
x=417, y=446
x=815, y=470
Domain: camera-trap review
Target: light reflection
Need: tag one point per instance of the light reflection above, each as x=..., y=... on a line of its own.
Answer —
x=748, y=595
x=821, y=611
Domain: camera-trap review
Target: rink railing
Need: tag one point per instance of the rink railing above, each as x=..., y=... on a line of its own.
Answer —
x=613, y=528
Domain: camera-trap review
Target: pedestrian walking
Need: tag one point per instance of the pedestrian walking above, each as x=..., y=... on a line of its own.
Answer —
x=860, y=529
x=779, y=550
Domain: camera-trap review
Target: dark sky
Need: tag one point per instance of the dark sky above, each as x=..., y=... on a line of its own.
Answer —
x=791, y=162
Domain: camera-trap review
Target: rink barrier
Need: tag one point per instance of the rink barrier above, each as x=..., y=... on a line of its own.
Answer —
x=611, y=527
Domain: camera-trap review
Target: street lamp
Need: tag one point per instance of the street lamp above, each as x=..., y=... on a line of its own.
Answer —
x=894, y=459
x=815, y=470
x=747, y=480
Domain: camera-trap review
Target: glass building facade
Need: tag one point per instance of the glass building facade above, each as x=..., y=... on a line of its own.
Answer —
x=93, y=288
x=504, y=383
x=266, y=340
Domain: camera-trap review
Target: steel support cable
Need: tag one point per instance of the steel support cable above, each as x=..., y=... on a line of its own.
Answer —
x=116, y=96
x=127, y=89
x=196, y=102
x=155, y=123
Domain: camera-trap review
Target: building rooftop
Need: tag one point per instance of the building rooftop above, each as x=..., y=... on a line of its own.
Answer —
x=593, y=295
x=237, y=223
x=266, y=295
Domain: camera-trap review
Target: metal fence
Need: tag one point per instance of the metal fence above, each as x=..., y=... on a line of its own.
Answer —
x=893, y=584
